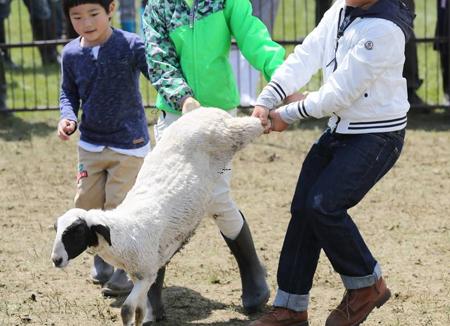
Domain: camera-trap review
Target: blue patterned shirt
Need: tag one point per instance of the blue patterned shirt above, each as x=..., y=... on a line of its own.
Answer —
x=107, y=90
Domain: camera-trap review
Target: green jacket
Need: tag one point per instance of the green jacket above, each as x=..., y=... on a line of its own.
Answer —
x=188, y=50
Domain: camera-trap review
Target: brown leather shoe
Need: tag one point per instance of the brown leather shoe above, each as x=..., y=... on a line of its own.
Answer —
x=282, y=317
x=357, y=305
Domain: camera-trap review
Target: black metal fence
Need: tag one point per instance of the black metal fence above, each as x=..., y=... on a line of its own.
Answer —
x=33, y=32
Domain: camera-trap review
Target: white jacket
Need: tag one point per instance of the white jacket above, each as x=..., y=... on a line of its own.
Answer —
x=366, y=93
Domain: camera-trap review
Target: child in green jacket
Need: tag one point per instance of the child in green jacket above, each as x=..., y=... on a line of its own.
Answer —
x=188, y=45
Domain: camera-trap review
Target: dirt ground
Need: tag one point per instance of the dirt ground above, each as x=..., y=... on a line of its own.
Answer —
x=404, y=220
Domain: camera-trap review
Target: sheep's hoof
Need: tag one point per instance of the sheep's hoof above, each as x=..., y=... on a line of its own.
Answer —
x=139, y=316
x=127, y=315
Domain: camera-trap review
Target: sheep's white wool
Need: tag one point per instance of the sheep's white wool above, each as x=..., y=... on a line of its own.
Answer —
x=169, y=198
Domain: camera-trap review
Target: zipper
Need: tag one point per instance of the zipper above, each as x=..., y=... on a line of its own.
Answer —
x=342, y=26
x=337, y=42
x=193, y=11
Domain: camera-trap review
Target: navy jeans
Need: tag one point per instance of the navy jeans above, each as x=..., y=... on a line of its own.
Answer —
x=336, y=174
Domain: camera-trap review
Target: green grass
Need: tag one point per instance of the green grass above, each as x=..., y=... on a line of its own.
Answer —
x=429, y=66
x=36, y=86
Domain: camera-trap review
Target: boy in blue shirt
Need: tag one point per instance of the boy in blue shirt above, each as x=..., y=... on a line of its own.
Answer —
x=100, y=74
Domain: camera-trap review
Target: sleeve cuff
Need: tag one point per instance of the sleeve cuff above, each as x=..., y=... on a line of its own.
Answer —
x=277, y=89
x=76, y=127
x=293, y=112
x=301, y=109
x=180, y=101
x=271, y=96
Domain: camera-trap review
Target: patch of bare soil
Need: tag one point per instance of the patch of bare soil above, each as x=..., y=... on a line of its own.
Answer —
x=404, y=219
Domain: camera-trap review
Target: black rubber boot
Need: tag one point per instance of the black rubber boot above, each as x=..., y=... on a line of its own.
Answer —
x=155, y=297
x=101, y=271
x=255, y=292
x=118, y=285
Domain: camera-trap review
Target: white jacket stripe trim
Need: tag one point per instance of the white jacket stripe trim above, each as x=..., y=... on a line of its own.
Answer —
x=279, y=87
x=275, y=86
x=378, y=127
x=299, y=108
x=303, y=107
x=377, y=124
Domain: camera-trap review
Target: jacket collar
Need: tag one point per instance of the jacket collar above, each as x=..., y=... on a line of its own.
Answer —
x=393, y=10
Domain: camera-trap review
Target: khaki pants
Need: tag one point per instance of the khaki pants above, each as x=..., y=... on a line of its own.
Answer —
x=104, y=178
x=222, y=208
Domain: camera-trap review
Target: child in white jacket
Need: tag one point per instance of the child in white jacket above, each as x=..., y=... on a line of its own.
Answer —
x=359, y=45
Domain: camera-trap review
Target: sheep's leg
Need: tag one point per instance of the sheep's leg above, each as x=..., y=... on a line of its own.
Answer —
x=155, y=306
x=134, y=306
x=149, y=314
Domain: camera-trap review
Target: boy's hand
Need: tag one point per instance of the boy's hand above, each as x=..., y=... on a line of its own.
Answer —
x=66, y=128
x=262, y=113
x=277, y=123
x=189, y=105
x=295, y=97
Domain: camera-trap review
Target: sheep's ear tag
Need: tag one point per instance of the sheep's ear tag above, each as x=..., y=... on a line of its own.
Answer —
x=103, y=231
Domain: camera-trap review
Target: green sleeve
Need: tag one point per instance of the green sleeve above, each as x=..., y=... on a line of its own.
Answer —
x=253, y=38
x=164, y=67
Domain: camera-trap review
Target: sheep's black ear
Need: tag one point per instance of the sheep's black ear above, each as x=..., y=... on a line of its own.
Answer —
x=103, y=231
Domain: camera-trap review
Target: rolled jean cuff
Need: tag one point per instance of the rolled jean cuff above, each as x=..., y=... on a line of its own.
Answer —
x=296, y=302
x=359, y=282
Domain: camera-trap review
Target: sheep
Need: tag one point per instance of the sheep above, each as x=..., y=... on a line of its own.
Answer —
x=164, y=207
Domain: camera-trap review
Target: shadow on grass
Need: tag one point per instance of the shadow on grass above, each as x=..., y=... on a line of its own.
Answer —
x=438, y=120
x=188, y=307
x=13, y=128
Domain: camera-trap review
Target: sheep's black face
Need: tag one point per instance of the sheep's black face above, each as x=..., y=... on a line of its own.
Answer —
x=72, y=237
x=76, y=238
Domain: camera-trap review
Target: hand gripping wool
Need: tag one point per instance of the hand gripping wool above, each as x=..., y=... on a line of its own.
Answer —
x=164, y=207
